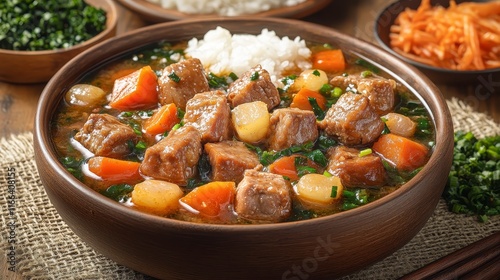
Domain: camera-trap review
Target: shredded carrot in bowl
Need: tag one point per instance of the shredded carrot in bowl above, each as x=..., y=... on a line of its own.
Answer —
x=464, y=36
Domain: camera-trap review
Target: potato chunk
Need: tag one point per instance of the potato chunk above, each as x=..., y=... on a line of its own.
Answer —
x=251, y=121
x=315, y=190
x=157, y=197
x=84, y=95
x=311, y=79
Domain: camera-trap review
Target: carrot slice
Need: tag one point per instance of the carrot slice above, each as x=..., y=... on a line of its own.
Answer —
x=285, y=166
x=114, y=170
x=329, y=60
x=212, y=199
x=137, y=90
x=122, y=72
x=162, y=120
x=301, y=99
x=403, y=153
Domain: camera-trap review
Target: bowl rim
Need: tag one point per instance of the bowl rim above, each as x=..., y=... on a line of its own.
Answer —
x=441, y=118
x=381, y=42
x=156, y=13
x=110, y=26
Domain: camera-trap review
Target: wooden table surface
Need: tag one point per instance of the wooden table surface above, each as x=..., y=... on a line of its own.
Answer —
x=355, y=17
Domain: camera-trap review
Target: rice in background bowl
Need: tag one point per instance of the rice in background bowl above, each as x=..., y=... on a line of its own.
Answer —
x=222, y=53
x=224, y=7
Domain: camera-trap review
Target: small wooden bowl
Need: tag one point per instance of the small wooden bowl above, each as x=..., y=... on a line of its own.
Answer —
x=39, y=66
x=386, y=19
x=321, y=248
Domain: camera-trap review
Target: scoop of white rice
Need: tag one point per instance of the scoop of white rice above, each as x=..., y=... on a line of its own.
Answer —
x=224, y=7
x=222, y=53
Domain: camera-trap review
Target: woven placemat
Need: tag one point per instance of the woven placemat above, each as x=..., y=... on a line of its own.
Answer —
x=45, y=247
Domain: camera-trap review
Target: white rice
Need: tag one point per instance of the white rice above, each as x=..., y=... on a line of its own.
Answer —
x=224, y=7
x=222, y=53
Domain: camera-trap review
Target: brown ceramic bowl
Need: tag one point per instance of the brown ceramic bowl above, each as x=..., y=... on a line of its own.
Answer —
x=321, y=248
x=152, y=12
x=386, y=19
x=40, y=66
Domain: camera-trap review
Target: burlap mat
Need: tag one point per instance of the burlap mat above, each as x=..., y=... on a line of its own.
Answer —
x=46, y=248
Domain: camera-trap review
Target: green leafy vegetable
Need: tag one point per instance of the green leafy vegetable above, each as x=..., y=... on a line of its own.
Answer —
x=306, y=149
x=47, y=25
x=73, y=165
x=215, y=81
x=354, y=198
x=324, y=142
x=318, y=112
x=120, y=192
x=473, y=186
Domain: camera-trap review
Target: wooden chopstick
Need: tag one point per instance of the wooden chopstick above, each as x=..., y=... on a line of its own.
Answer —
x=480, y=258
x=490, y=270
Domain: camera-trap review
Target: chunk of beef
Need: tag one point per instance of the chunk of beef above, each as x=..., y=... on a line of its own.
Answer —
x=105, y=135
x=229, y=159
x=380, y=91
x=174, y=158
x=352, y=120
x=254, y=85
x=291, y=126
x=263, y=196
x=210, y=113
x=346, y=83
x=356, y=171
x=180, y=81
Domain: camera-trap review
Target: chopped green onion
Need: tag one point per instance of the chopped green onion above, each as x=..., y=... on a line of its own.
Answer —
x=365, y=152
x=316, y=73
x=141, y=145
x=334, y=191
x=255, y=76
x=233, y=76
x=176, y=126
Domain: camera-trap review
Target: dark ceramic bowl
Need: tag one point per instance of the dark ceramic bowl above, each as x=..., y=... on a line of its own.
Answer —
x=438, y=75
x=320, y=248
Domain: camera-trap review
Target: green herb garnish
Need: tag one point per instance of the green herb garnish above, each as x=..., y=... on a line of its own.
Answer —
x=174, y=77
x=119, y=192
x=334, y=191
x=255, y=76
x=473, y=186
x=48, y=25
x=354, y=198
x=73, y=166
